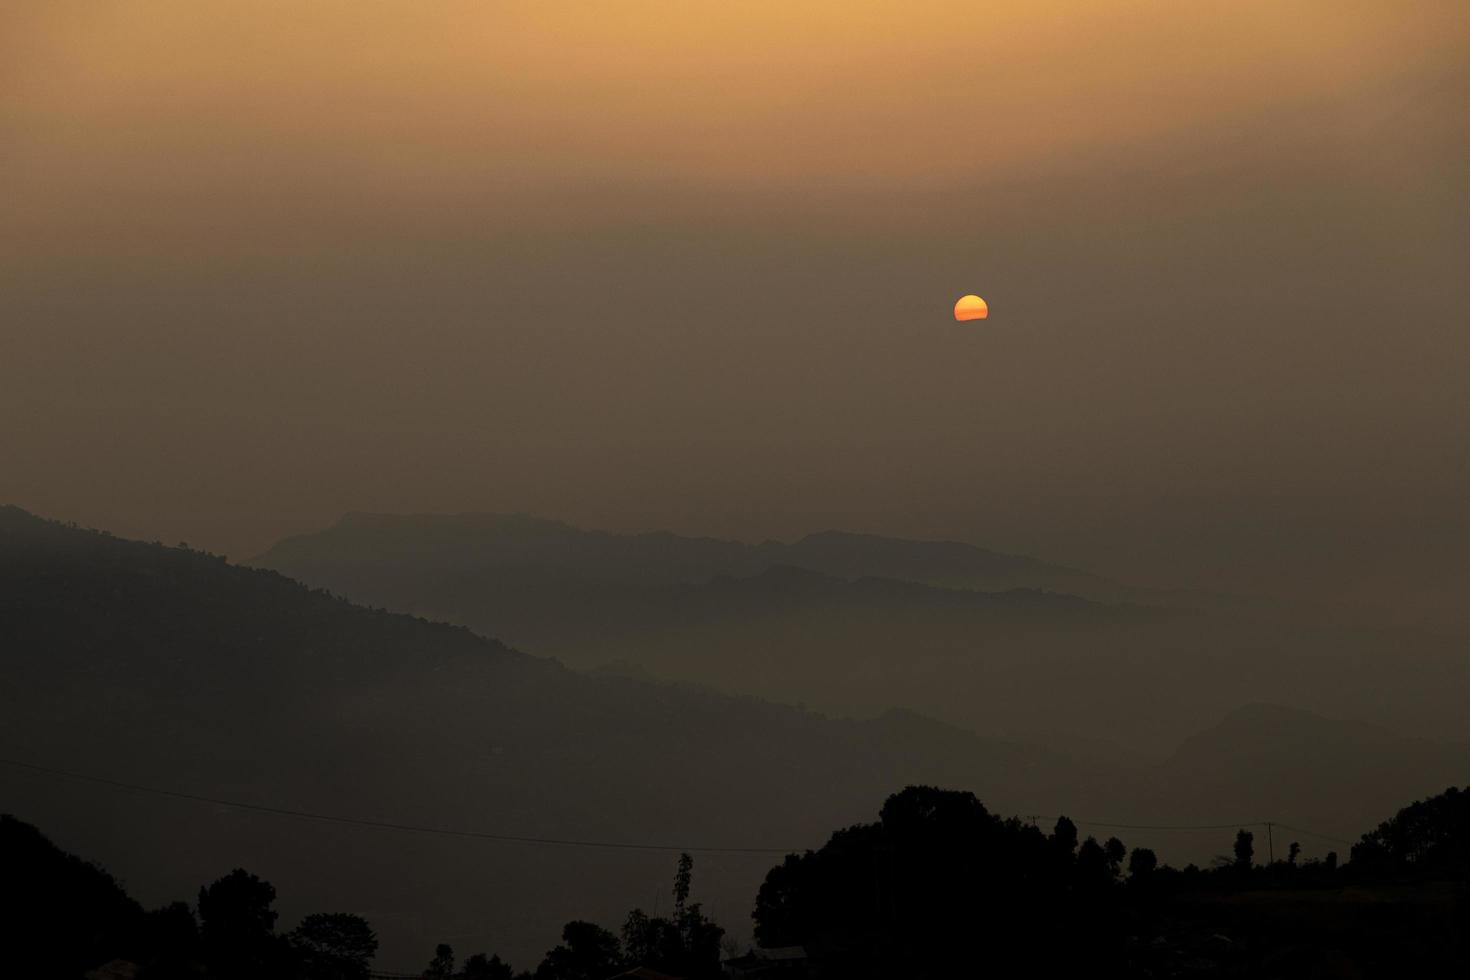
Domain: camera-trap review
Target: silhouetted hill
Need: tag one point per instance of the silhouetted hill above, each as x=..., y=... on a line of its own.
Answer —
x=855, y=624
x=162, y=666
x=71, y=914
x=938, y=885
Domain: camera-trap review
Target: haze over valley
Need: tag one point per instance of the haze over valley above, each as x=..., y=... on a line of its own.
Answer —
x=650, y=490
x=855, y=624
x=175, y=669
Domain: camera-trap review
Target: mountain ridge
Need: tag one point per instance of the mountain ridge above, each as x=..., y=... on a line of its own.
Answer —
x=852, y=633
x=703, y=556
x=168, y=667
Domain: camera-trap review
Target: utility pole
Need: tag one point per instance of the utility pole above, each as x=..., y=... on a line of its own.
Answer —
x=1270, y=843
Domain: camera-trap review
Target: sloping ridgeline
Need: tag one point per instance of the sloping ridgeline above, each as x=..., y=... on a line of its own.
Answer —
x=172, y=668
x=853, y=624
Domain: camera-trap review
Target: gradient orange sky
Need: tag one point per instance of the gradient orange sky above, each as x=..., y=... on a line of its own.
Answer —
x=449, y=99
x=268, y=261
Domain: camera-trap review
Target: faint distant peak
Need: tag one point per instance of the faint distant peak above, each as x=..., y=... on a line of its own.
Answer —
x=833, y=537
x=354, y=519
x=1267, y=716
x=1266, y=730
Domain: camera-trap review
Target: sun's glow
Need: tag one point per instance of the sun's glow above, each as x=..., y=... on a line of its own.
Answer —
x=971, y=307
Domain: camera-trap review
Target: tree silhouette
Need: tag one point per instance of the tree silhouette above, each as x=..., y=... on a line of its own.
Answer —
x=586, y=952
x=334, y=946
x=938, y=886
x=480, y=967
x=1064, y=836
x=442, y=965
x=683, y=879
x=1093, y=868
x=173, y=934
x=1115, y=851
x=688, y=945
x=1245, y=849
x=935, y=880
x=643, y=938
x=237, y=926
x=1430, y=835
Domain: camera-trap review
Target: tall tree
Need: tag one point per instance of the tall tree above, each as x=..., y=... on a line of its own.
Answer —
x=481, y=967
x=1142, y=863
x=237, y=925
x=442, y=965
x=687, y=945
x=645, y=938
x=935, y=880
x=334, y=946
x=586, y=952
x=1430, y=835
x=1093, y=868
x=1064, y=836
x=683, y=879
x=1115, y=851
x=1245, y=849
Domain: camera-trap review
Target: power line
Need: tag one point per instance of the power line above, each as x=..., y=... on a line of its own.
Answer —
x=1313, y=833
x=1217, y=826
x=556, y=841
x=390, y=825
x=575, y=842
x=1147, y=826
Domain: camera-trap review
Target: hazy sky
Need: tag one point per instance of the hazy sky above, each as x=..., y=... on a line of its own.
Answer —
x=691, y=264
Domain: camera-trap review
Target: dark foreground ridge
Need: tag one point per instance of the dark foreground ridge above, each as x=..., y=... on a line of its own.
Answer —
x=937, y=884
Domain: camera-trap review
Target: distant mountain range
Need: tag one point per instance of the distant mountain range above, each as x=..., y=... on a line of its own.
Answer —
x=521, y=543
x=175, y=669
x=364, y=547
x=854, y=624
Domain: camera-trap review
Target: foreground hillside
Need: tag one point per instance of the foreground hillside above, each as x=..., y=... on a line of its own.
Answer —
x=937, y=885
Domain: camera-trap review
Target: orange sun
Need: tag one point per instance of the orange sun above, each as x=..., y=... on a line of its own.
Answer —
x=971, y=307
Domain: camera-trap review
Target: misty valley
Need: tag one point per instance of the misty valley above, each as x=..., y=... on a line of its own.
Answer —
x=712, y=490
x=168, y=711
